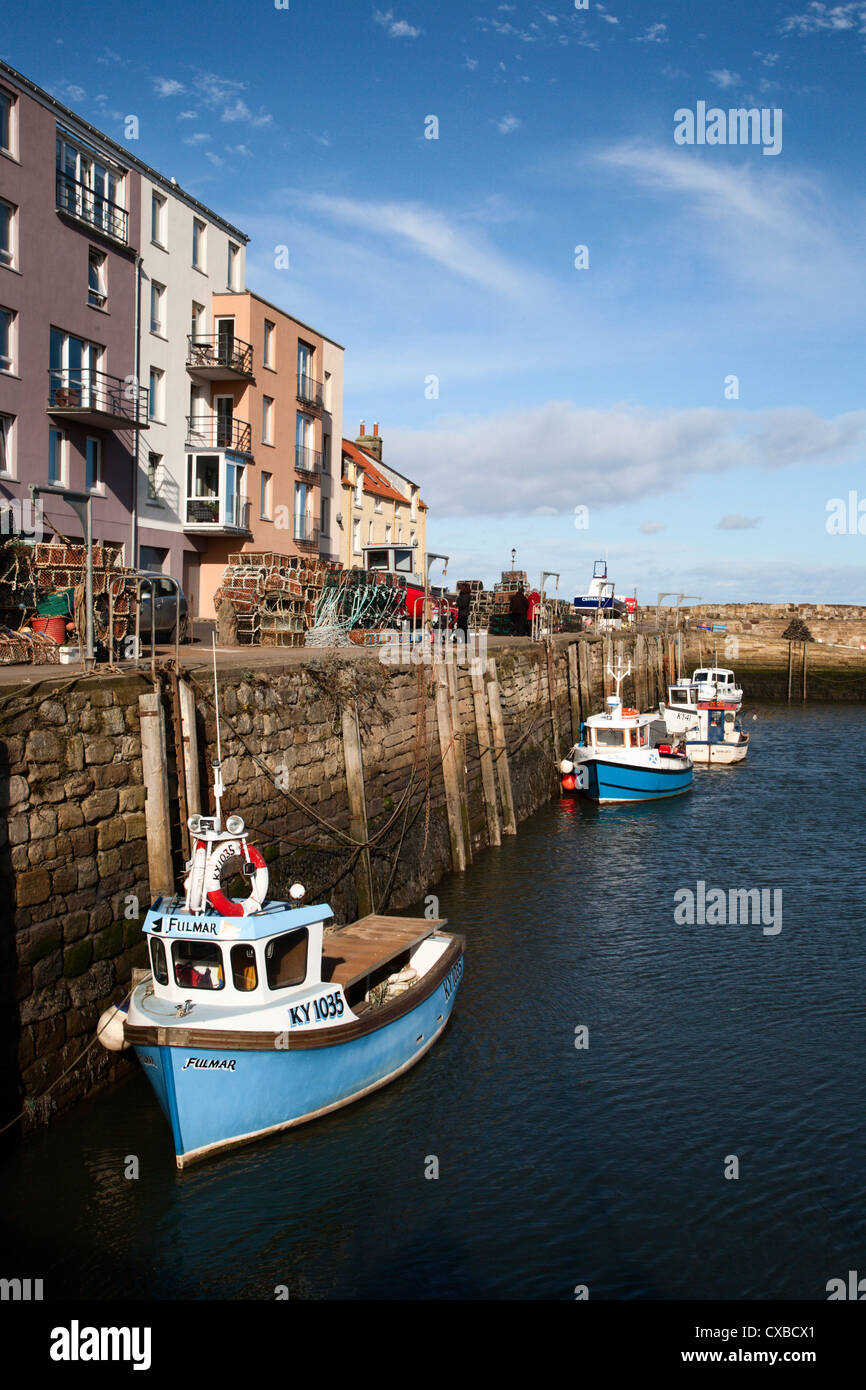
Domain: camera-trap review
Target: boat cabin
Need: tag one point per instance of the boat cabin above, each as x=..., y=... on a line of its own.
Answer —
x=718, y=676
x=619, y=727
x=245, y=960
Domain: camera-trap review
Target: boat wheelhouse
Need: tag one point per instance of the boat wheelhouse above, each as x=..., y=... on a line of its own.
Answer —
x=600, y=598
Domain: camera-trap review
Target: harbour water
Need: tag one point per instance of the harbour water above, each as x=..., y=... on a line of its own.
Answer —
x=558, y=1165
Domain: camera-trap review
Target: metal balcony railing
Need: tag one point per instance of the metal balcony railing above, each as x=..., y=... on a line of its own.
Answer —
x=308, y=460
x=309, y=390
x=211, y=511
x=88, y=205
x=305, y=532
x=84, y=391
x=219, y=350
x=218, y=432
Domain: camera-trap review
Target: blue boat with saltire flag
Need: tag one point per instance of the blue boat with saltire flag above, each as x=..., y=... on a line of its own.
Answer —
x=253, y=1019
x=626, y=756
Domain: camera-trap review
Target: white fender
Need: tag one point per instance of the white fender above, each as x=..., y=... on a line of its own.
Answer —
x=220, y=853
x=109, y=1029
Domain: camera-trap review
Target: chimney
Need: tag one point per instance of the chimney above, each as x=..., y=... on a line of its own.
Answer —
x=361, y=431
x=372, y=443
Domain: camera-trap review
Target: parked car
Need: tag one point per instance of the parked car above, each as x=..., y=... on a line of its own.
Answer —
x=165, y=599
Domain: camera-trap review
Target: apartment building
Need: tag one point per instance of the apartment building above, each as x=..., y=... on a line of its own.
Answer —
x=71, y=408
x=187, y=254
x=332, y=444
x=379, y=505
x=261, y=424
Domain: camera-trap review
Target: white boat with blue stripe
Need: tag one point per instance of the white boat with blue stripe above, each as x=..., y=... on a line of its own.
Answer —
x=620, y=756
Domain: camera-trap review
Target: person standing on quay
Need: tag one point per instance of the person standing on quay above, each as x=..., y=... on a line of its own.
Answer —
x=464, y=599
x=518, y=609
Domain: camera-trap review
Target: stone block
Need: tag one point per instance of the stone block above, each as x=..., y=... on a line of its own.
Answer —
x=99, y=750
x=32, y=888
x=76, y=958
x=110, y=833
x=99, y=805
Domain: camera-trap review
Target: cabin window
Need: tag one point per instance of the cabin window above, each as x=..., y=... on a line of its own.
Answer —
x=286, y=959
x=700, y=675
x=643, y=736
x=244, y=973
x=679, y=697
x=158, y=962
x=609, y=738
x=197, y=965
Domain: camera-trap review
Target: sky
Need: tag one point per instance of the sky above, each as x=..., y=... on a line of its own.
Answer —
x=684, y=396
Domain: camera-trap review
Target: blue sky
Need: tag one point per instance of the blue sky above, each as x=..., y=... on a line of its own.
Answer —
x=558, y=387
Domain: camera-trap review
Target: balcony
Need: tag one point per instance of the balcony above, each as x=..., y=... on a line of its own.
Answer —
x=218, y=432
x=308, y=461
x=86, y=205
x=218, y=516
x=305, y=532
x=218, y=357
x=96, y=399
x=309, y=390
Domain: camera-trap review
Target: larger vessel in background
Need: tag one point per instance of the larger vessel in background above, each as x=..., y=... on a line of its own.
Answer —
x=600, y=598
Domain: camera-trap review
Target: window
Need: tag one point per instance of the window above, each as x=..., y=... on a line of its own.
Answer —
x=609, y=738
x=157, y=308
x=158, y=961
x=93, y=465
x=157, y=218
x=7, y=424
x=326, y=395
x=157, y=394
x=198, y=243
x=325, y=520
x=286, y=959
x=414, y=512
x=57, y=457
x=7, y=233
x=377, y=504
x=7, y=103
x=7, y=343
x=232, y=267
x=399, y=533
x=75, y=370
x=369, y=533
x=88, y=189
x=198, y=320
x=356, y=536
x=96, y=291
x=265, y=508
x=388, y=534
x=270, y=339
x=197, y=965
x=154, y=481
x=244, y=974
x=403, y=561
x=267, y=420
x=152, y=558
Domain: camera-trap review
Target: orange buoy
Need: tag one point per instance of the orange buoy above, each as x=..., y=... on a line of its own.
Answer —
x=568, y=783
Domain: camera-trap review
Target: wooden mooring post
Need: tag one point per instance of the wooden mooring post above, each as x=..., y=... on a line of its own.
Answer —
x=509, y=820
x=154, y=773
x=189, y=741
x=353, y=756
x=488, y=776
x=574, y=690
x=460, y=748
x=450, y=773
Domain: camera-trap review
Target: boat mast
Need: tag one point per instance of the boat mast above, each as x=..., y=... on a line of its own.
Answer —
x=217, y=761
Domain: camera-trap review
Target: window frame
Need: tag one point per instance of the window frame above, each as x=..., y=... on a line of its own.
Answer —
x=293, y=983
x=199, y=245
x=100, y=259
x=12, y=250
x=267, y=419
x=11, y=355
x=98, y=486
x=265, y=496
x=156, y=397
x=11, y=122
x=232, y=261
x=154, y=464
x=158, y=218
x=62, y=479
x=8, y=436
x=157, y=289
x=268, y=342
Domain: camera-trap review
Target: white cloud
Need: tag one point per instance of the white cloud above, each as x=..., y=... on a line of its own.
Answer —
x=833, y=19
x=508, y=124
x=214, y=158
x=198, y=139
x=471, y=64
x=167, y=87
x=187, y=116
x=396, y=28
x=605, y=457
x=723, y=77
x=431, y=235
x=239, y=111
x=656, y=33
x=651, y=528
x=735, y=522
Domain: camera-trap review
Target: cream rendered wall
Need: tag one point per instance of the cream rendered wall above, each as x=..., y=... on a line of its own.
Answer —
x=173, y=268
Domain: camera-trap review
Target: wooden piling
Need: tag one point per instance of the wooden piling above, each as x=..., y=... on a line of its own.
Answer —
x=450, y=773
x=804, y=672
x=353, y=756
x=488, y=775
x=551, y=699
x=460, y=749
x=509, y=820
x=189, y=747
x=154, y=773
x=584, y=657
x=790, y=669
x=574, y=690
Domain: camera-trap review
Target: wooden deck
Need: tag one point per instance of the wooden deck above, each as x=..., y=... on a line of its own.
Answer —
x=362, y=947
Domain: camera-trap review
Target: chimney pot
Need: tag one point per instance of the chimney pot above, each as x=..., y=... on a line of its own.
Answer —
x=363, y=429
x=376, y=427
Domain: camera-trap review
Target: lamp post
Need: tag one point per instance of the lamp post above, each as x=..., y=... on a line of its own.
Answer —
x=513, y=558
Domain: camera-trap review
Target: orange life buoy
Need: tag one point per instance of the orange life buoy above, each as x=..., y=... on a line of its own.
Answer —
x=235, y=907
x=630, y=713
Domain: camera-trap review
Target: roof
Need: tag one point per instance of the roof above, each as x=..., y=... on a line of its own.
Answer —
x=121, y=151
x=269, y=304
x=374, y=479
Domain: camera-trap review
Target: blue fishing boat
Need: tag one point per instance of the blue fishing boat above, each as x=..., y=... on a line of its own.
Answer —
x=253, y=1019
x=625, y=756
x=600, y=598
